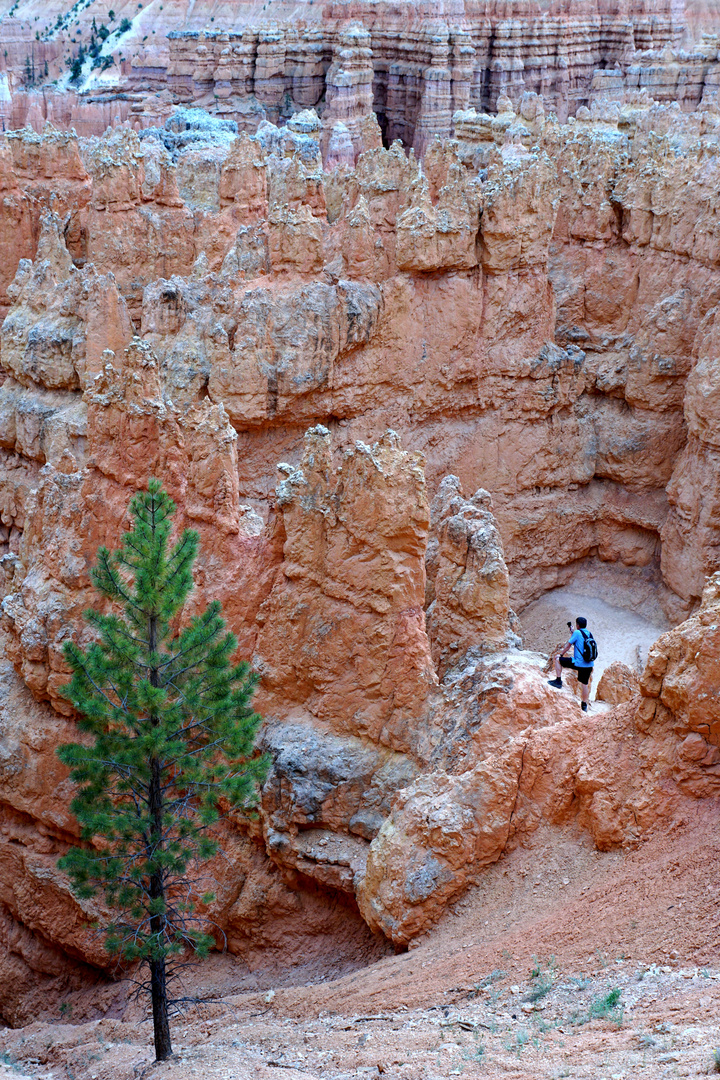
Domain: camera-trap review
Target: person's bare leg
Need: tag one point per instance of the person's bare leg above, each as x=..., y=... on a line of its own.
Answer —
x=558, y=669
x=586, y=692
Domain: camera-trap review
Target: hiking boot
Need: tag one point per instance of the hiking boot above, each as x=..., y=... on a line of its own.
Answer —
x=557, y=683
x=584, y=706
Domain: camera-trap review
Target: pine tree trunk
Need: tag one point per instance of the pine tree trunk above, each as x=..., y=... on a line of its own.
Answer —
x=158, y=974
x=161, y=1022
x=158, y=978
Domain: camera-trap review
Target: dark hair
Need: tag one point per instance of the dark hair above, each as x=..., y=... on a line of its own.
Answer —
x=581, y=623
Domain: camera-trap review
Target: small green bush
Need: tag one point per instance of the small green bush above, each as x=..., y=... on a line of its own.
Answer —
x=606, y=1008
x=542, y=978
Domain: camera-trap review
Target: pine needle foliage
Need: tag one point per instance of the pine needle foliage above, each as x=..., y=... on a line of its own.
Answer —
x=171, y=739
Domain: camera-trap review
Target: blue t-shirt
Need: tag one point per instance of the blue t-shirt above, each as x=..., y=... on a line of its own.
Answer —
x=578, y=641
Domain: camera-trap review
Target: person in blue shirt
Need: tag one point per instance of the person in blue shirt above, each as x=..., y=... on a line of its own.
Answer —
x=584, y=668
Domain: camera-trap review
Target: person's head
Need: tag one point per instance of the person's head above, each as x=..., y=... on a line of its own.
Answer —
x=581, y=623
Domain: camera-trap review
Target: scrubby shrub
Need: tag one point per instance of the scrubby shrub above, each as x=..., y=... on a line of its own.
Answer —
x=607, y=1007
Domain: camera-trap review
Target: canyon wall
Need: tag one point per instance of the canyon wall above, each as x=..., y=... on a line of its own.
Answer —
x=527, y=323
x=690, y=77
x=413, y=64
x=425, y=64
x=397, y=400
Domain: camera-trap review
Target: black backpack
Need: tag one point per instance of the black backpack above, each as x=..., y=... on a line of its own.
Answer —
x=589, y=650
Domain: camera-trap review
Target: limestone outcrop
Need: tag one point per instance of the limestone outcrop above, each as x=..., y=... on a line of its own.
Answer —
x=63, y=319
x=510, y=754
x=413, y=66
x=295, y=297
x=617, y=684
x=680, y=693
x=348, y=112
x=344, y=626
x=690, y=533
x=460, y=814
x=442, y=828
x=688, y=77
x=531, y=310
x=427, y=64
x=45, y=939
x=468, y=585
x=346, y=669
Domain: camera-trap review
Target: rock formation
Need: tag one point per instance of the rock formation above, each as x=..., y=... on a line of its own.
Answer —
x=467, y=593
x=618, y=683
x=344, y=624
x=679, y=688
x=509, y=755
x=427, y=65
x=285, y=293
x=349, y=98
x=531, y=309
x=413, y=65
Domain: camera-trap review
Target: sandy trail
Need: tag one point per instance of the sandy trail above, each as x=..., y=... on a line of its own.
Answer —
x=620, y=634
x=562, y=962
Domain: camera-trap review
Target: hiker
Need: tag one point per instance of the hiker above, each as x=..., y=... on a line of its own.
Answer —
x=584, y=652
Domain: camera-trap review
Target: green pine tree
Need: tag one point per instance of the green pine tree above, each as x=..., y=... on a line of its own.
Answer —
x=172, y=735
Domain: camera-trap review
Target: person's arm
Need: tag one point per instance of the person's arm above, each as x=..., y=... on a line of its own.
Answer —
x=568, y=645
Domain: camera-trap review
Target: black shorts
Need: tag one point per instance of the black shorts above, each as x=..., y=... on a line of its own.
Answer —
x=583, y=673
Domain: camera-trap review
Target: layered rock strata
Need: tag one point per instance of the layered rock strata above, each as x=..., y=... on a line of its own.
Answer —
x=485, y=51
x=547, y=363
x=533, y=310
x=424, y=68
x=687, y=77
x=386, y=785
x=413, y=65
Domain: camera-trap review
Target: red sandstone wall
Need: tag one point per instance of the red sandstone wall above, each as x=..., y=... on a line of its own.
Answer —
x=535, y=312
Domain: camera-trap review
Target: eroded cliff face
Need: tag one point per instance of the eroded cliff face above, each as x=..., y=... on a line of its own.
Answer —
x=477, y=375
x=526, y=319
x=414, y=64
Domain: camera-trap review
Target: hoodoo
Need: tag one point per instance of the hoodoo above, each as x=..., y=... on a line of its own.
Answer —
x=414, y=313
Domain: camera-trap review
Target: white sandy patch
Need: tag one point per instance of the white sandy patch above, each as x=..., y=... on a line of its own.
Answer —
x=620, y=634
